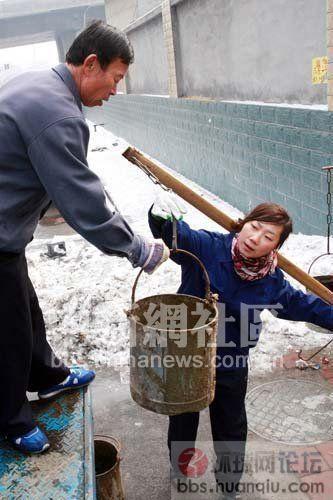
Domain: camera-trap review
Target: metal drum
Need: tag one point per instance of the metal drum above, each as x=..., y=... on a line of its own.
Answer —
x=326, y=280
x=107, y=467
x=173, y=349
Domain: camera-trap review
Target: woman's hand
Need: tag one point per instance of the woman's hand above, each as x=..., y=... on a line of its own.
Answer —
x=168, y=204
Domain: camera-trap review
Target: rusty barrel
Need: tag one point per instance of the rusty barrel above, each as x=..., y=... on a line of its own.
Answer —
x=107, y=468
x=173, y=349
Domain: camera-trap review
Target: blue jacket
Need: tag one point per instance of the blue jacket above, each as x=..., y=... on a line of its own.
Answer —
x=273, y=292
x=43, y=147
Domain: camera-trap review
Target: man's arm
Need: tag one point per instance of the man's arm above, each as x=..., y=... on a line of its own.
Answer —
x=58, y=157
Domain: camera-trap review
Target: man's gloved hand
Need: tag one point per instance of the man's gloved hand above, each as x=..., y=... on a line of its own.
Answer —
x=168, y=204
x=152, y=254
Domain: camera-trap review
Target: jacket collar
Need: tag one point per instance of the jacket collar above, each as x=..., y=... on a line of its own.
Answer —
x=68, y=79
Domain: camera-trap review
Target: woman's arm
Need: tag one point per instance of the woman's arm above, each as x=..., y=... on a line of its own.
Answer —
x=300, y=306
x=200, y=243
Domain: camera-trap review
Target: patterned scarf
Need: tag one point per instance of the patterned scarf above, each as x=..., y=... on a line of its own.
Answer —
x=252, y=269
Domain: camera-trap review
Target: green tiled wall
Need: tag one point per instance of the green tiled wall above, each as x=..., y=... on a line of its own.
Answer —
x=244, y=153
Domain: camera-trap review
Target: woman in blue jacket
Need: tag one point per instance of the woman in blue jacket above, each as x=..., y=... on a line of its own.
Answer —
x=242, y=268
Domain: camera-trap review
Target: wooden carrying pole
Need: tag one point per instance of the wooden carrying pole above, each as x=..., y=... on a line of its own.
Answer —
x=224, y=220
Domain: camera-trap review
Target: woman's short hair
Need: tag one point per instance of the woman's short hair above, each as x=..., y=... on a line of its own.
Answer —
x=272, y=213
x=107, y=42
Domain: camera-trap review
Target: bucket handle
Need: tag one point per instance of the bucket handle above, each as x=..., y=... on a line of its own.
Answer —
x=317, y=258
x=208, y=295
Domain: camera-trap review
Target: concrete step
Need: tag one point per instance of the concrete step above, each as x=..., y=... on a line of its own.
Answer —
x=66, y=471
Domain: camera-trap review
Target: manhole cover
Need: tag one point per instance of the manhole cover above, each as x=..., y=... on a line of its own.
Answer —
x=291, y=412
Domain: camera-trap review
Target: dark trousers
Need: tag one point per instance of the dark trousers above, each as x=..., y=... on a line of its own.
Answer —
x=228, y=424
x=27, y=362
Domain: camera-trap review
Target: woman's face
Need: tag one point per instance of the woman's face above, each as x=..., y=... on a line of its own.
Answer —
x=257, y=239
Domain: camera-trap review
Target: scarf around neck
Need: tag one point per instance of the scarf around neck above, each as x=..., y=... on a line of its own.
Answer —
x=251, y=269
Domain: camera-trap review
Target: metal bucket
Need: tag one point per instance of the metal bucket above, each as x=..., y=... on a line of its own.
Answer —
x=107, y=467
x=326, y=280
x=172, y=367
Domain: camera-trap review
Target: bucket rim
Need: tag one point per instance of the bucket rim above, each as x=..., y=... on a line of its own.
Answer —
x=169, y=330
x=117, y=445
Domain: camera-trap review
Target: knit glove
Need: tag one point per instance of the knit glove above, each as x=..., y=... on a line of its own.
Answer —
x=151, y=255
x=167, y=205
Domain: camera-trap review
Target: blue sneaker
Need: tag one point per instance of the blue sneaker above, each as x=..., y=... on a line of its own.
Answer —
x=34, y=441
x=78, y=377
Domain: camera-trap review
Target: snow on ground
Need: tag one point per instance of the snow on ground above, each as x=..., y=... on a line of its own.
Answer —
x=84, y=295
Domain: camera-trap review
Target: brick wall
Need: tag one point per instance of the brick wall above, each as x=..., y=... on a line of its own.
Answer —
x=244, y=153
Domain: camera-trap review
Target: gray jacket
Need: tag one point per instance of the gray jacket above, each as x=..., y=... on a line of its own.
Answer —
x=43, y=147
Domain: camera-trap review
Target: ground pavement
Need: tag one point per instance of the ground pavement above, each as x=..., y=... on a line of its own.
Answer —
x=300, y=412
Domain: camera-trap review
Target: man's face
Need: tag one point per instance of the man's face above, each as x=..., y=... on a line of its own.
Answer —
x=97, y=84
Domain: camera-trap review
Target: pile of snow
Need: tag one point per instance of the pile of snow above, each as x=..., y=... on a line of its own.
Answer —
x=84, y=294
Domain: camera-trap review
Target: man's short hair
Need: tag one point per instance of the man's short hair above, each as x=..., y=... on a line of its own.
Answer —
x=107, y=42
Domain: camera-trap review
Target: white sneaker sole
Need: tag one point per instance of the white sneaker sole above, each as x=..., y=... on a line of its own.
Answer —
x=59, y=391
x=45, y=447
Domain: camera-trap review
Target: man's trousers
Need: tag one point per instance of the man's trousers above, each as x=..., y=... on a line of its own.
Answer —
x=27, y=362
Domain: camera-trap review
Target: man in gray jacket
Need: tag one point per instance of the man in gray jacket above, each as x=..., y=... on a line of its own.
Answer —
x=43, y=147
